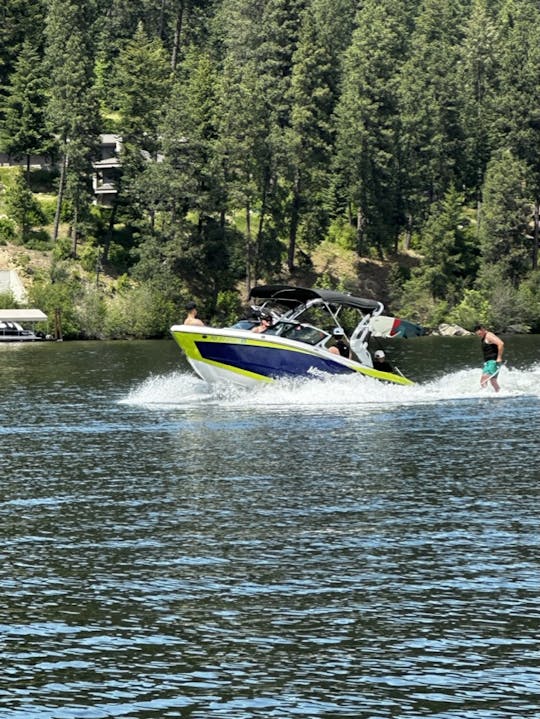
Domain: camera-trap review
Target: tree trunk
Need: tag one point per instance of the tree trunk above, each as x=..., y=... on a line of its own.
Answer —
x=536, y=234
x=408, y=234
x=249, y=249
x=75, y=229
x=60, y=197
x=295, y=219
x=359, y=232
x=177, y=35
x=262, y=218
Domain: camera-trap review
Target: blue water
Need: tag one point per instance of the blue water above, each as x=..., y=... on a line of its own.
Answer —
x=309, y=549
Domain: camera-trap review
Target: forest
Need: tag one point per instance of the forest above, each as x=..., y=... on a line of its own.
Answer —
x=252, y=132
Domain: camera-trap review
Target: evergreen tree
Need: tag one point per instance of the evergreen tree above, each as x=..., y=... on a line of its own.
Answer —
x=22, y=207
x=313, y=92
x=431, y=141
x=244, y=129
x=504, y=229
x=517, y=124
x=20, y=21
x=478, y=86
x=142, y=86
x=279, y=33
x=73, y=108
x=449, y=254
x=24, y=126
x=367, y=124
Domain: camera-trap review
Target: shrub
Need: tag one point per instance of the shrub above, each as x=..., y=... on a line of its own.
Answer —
x=7, y=231
x=89, y=256
x=343, y=234
x=8, y=301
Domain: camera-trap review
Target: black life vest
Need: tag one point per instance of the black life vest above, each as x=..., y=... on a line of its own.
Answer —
x=490, y=351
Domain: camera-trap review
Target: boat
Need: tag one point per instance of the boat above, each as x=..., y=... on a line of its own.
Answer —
x=14, y=332
x=297, y=344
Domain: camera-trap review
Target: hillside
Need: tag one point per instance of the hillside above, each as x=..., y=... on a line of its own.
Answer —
x=328, y=266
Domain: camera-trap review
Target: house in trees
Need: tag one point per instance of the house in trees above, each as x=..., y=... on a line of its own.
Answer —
x=107, y=170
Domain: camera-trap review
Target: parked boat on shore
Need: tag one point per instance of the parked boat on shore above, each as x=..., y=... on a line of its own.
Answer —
x=14, y=332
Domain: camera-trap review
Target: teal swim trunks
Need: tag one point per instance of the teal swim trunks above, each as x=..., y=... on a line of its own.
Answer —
x=490, y=367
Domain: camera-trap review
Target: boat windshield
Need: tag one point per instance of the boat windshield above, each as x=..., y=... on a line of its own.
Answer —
x=298, y=331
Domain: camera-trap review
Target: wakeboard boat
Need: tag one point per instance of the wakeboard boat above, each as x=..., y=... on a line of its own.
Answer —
x=300, y=341
x=14, y=332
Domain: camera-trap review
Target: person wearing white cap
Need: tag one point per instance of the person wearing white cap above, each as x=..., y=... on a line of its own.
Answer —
x=381, y=363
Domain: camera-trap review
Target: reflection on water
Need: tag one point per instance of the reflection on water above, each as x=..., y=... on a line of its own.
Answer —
x=312, y=549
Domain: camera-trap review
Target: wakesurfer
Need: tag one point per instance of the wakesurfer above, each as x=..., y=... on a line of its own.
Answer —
x=492, y=349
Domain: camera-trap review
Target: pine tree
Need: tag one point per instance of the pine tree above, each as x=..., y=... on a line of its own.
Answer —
x=505, y=238
x=20, y=21
x=73, y=108
x=478, y=72
x=244, y=128
x=24, y=126
x=279, y=33
x=142, y=85
x=517, y=121
x=22, y=207
x=310, y=140
x=367, y=123
x=431, y=140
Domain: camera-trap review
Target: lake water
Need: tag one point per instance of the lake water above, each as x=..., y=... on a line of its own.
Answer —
x=311, y=549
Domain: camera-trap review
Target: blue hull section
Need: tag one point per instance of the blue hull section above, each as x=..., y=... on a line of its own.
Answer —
x=269, y=361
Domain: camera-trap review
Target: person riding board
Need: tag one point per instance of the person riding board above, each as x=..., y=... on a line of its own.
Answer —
x=492, y=349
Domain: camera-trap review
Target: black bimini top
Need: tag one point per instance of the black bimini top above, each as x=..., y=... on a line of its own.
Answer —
x=294, y=296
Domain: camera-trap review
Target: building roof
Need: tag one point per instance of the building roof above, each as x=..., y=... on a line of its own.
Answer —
x=22, y=316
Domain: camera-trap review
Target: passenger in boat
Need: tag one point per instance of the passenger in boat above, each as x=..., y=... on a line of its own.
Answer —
x=381, y=363
x=492, y=349
x=340, y=346
x=265, y=323
x=191, y=317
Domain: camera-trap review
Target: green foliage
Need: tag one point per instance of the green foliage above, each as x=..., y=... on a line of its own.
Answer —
x=472, y=310
x=449, y=259
x=140, y=83
x=89, y=256
x=48, y=207
x=62, y=249
x=38, y=240
x=140, y=311
x=7, y=231
x=228, y=308
x=367, y=123
x=504, y=228
x=528, y=298
x=8, y=301
x=24, y=129
x=248, y=126
x=90, y=314
x=22, y=207
x=60, y=296
x=342, y=233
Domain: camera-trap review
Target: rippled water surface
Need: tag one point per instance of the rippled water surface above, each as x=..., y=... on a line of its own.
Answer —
x=311, y=549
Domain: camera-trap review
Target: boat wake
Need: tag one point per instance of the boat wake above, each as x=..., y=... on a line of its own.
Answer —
x=183, y=389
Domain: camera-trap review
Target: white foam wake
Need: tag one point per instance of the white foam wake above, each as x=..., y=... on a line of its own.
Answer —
x=185, y=389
